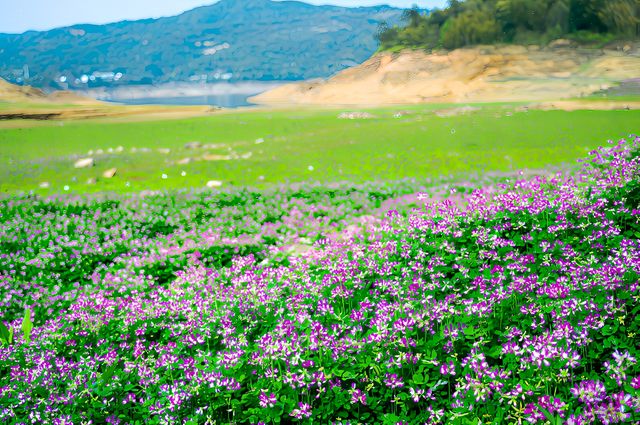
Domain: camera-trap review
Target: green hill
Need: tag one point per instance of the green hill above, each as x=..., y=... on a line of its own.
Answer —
x=231, y=39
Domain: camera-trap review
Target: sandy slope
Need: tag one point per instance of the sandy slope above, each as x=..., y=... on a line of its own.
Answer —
x=27, y=94
x=25, y=117
x=21, y=103
x=480, y=74
x=13, y=93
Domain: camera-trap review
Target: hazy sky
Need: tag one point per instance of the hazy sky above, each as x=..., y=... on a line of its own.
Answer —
x=20, y=15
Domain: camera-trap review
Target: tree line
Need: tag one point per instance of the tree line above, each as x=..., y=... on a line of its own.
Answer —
x=470, y=22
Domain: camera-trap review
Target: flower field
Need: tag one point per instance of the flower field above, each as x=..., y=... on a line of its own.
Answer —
x=514, y=303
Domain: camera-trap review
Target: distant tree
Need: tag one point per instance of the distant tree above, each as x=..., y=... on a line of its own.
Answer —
x=385, y=35
x=412, y=16
x=637, y=15
x=620, y=16
x=523, y=14
x=470, y=27
x=438, y=17
x=455, y=8
x=558, y=17
x=465, y=22
x=383, y=27
x=583, y=15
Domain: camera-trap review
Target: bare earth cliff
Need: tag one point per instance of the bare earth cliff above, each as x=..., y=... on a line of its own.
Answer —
x=479, y=74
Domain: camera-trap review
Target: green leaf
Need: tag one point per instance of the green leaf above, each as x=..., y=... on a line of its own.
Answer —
x=107, y=374
x=27, y=325
x=470, y=331
x=41, y=392
x=390, y=418
x=4, y=334
x=418, y=379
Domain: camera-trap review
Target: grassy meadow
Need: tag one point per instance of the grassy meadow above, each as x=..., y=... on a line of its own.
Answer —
x=263, y=147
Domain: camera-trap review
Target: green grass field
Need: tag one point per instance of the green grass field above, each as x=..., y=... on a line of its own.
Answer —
x=301, y=145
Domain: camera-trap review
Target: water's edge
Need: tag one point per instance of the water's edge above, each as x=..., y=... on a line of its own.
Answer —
x=226, y=95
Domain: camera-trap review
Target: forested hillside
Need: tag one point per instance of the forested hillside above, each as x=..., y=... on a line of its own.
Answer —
x=471, y=22
x=229, y=40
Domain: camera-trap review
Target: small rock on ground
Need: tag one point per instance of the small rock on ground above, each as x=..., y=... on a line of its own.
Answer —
x=193, y=145
x=355, y=115
x=84, y=163
x=216, y=157
x=110, y=173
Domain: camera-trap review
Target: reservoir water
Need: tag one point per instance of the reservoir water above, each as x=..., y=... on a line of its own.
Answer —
x=225, y=101
x=226, y=95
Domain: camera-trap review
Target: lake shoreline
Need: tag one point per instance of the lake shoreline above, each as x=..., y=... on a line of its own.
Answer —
x=223, y=94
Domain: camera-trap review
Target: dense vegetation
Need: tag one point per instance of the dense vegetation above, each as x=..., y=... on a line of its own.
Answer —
x=200, y=309
x=468, y=22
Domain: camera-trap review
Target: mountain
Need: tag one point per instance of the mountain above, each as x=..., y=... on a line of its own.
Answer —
x=231, y=40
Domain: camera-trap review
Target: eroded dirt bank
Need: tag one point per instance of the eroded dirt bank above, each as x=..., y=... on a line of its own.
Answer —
x=479, y=74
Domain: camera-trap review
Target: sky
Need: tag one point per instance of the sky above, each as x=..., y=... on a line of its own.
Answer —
x=18, y=15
